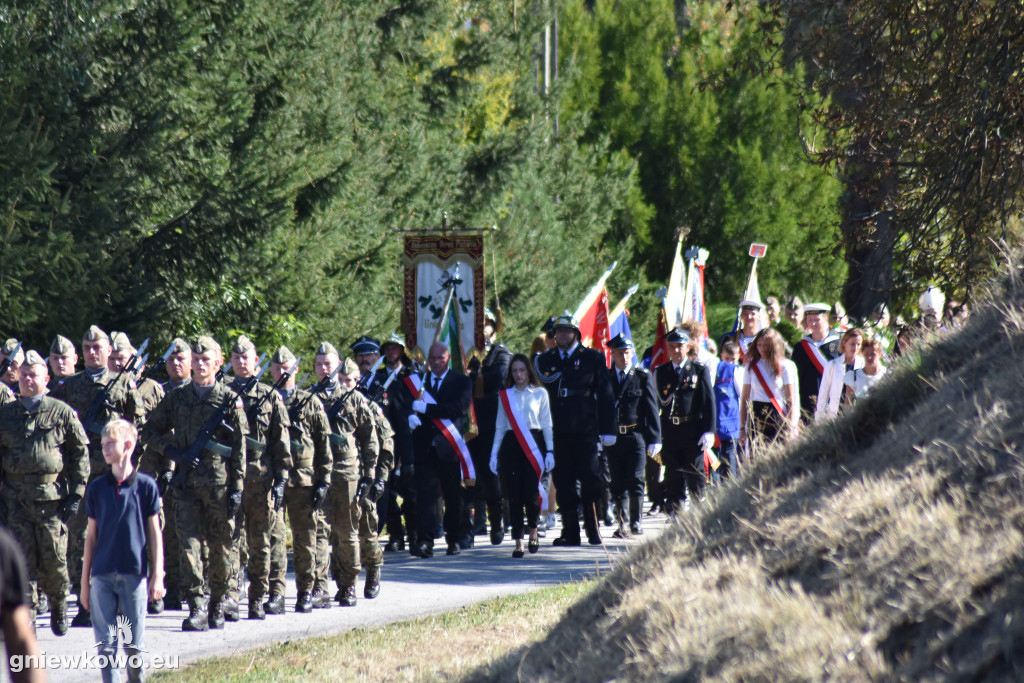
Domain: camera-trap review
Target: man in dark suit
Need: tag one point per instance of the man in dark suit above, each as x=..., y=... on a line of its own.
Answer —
x=436, y=460
x=639, y=434
x=688, y=419
x=582, y=413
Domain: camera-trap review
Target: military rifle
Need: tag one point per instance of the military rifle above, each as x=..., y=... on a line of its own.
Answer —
x=6, y=363
x=102, y=399
x=148, y=372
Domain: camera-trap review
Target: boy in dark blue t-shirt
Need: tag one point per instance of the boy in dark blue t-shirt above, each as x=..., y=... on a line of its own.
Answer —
x=727, y=404
x=122, y=538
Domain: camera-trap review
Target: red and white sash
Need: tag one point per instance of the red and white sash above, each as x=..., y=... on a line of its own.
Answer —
x=445, y=426
x=769, y=388
x=817, y=359
x=526, y=441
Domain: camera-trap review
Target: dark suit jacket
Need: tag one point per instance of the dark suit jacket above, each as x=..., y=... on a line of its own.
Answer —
x=694, y=399
x=635, y=402
x=580, y=391
x=453, y=400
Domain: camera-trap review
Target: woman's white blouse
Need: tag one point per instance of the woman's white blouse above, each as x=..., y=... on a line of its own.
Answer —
x=535, y=409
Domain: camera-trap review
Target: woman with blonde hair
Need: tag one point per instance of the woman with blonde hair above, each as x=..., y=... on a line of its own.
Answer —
x=830, y=393
x=769, y=408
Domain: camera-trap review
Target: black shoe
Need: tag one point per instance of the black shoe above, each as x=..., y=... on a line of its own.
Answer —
x=347, y=596
x=215, y=617
x=304, y=603
x=256, y=609
x=636, y=528
x=275, y=605
x=453, y=549
x=533, y=546
x=155, y=606
x=467, y=543
x=43, y=605
x=620, y=532
x=230, y=609
x=562, y=541
x=497, y=536
x=608, y=519
x=424, y=550
x=518, y=552
x=480, y=529
x=82, y=619
x=321, y=600
x=594, y=540
x=197, y=620
x=394, y=545
x=371, y=588
x=59, y=618
x=172, y=600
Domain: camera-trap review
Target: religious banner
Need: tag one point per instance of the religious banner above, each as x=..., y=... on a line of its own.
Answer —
x=431, y=263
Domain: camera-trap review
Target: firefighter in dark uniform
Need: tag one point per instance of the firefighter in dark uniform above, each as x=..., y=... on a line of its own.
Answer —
x=688, y=419
x=639, y=434
x=582, y=413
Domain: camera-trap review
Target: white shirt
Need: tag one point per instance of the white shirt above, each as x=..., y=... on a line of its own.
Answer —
x=861, y=382
x=535, y=410
x=757, y=392
x=830, y=391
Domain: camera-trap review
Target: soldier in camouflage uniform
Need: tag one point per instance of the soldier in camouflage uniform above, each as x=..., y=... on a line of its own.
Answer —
x=98, y=396
x=149, y=390
x=206, y=502
x=63, y=359
x=266, y=474
x=10, y=377
x=354, y=447
x=44, y=462
x=307, y=485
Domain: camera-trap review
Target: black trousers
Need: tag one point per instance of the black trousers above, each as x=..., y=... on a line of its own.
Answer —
x=684, y=464
x=488, y=486
x=576, y=462
x=520, y=483
x=626, y=462
x=431, y=471
x=655, y=490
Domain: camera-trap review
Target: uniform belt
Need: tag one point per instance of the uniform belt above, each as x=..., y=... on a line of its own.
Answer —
x=217, y=449
x=254, y=446
x=681, y=419
x=567, y=393
x=31, y=479
x=626, y=429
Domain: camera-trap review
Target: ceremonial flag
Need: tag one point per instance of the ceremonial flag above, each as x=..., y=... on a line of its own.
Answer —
x=752, y=292
x=693, y=308
x=451, y=336
x=675, y=295
x=659, y=354
x=592, y=316
x=619, y=320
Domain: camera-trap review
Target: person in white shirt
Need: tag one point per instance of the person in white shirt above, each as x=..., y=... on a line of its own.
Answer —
x=770, y=390
x=529, y=425
x=830, y=393
x=860, y=380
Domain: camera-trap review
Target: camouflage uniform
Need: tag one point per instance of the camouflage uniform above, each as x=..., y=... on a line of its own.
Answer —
x=352, y=424
x=150, y=394
x=369, y=521
x=43, y=459
x=80, y=391
x=201, y=505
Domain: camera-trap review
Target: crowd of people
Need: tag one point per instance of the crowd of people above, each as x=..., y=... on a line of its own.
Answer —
x=217, y=459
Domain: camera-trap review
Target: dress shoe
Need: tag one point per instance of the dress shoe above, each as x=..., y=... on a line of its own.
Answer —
x=594, y=540
x=608, y=518
x=59, y=618
x=172, y=600
x=424, y=550
x=321, y=599
x=636, y=528
x=347, y=596
x=83, y=618
x=43, y=604
x=518, y=552
x=562, y=541
x=655, y=509
x=467, y=543
x=216, y=615
x=453, y=549
x=394, y=545
x=533, y=545
x=196, y=620
x=304, y=603
x=155, y=606
x=620, y=532
x=275, y=605
x=230, y=609
x=480, y=529
x=371, y=588
x=497, y=536
x=256, y=609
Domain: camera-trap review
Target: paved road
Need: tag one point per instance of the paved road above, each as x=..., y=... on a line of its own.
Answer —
x=411, y=587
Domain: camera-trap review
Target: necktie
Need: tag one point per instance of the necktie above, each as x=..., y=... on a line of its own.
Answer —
x=437, y=385
x=622, y=376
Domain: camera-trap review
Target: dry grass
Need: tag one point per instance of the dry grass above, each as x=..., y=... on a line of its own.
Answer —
x=886, y=545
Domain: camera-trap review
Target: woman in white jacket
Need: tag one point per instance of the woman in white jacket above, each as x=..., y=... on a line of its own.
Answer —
x=830, y=392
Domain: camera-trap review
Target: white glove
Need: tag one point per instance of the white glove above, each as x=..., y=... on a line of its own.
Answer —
x=607, y=440
x=549, y=462
x=494, y=463
x=706, y=441
x=414, y=422
x=419, y=406
x=653, y=450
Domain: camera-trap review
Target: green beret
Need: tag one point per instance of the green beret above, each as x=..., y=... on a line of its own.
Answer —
x=243, y=345
x=204, y=344
x=33, y=358
x=94, y=333
x=349, y=367
x=61, y=345
x=119, y=342
x=327, y=348
x=179, y=346
x=8, y=348
x=283, y=356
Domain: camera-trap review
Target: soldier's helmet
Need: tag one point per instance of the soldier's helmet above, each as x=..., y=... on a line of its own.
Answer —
x=395, y=338
x=566, y=320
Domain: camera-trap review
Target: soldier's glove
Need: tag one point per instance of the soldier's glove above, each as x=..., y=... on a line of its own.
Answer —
x=414, y=422
x=549, y=462
x=234, y=502
x=706, y=441
x=376, y=490
x=419, y=406
x=474, y=365
x=653, y=450
x=69, y=507
x=362, y=489
x=163, y=481
x=277, y=490
x=189, y=461
x=607, y=440
x=319, y=495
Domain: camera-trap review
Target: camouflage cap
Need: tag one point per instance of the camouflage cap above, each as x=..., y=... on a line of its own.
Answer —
x=94, y=333
x=350, y=367
x=61, y=345
x=8, y=348
x=326, y=348
x=243, y=345
x=179, y=345
x=33, y=358
x=395, y=338
x=204, y=344
x=283, y=356
x=119, y=342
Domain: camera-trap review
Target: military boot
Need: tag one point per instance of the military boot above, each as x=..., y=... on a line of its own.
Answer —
x=197, y=619
x=216, y=614
x=321, y=599
x=43, y=604
x=172, y=600
x=347, y=596
x=371, y=588
x=83, y=618
x=303, y=603
x=256, y=609
x=59, y=618
x=275, y=605
x=230, y=609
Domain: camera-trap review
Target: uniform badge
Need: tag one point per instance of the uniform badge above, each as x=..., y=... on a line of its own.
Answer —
x=576, y=365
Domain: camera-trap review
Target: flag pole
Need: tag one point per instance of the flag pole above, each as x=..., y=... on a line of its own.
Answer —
x=452, y=281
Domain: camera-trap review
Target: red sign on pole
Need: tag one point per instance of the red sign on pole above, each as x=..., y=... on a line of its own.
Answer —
x=758, y=250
